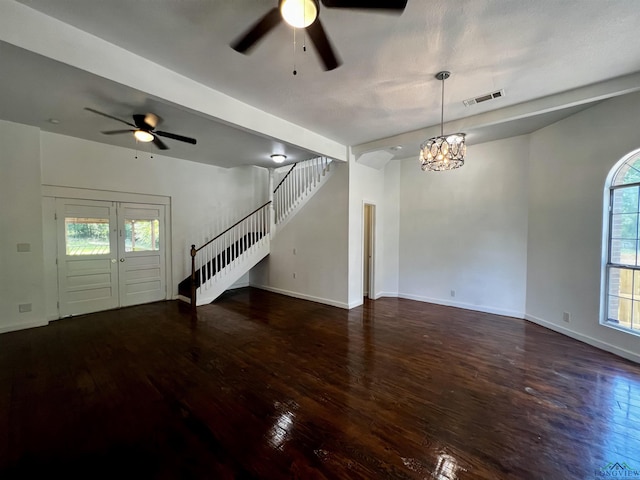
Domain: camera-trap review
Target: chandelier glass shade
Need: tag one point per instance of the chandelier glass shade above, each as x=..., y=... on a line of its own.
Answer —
x=444, y=152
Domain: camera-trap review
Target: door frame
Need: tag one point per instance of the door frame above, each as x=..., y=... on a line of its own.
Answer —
x=372, y=246
x=49, y=195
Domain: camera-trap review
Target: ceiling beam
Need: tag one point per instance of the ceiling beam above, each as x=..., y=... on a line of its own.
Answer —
x=552, y=103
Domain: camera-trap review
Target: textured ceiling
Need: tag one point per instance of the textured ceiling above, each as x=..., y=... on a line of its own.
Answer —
x=385, y=87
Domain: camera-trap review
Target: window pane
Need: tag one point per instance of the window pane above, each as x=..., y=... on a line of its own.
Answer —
x=624, y=225
x=636, y=316
x=620, y=311
x=636, y=285
x=87, y=236
x=628, y=173
x=625, y=200
x=623, y=252
x=621, y=282
x=141, y=235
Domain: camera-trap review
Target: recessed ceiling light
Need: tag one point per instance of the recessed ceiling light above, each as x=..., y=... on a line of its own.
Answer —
x=55, y=121
x=397, y=148
x=278, y=157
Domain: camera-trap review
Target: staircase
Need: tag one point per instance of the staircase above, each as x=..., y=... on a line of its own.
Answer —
x=223, y=260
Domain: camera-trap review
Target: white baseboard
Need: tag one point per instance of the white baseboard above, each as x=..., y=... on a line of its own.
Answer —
x=607, y=347
x=465, y=306
x=386, y=294
x=355, y=303
x=303, y=296
x=182, y=298
x=23, y=326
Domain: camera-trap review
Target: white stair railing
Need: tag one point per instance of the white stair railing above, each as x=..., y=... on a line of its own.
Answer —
x=220, y=262
x=223, y=258
x=302, y=179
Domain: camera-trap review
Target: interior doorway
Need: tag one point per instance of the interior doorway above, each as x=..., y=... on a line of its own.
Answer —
x=110, y=254
x=368, y=250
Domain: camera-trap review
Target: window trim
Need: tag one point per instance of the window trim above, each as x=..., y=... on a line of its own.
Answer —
x=607, y=218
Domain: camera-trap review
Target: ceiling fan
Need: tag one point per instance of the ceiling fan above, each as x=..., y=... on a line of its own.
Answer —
x=144, y=129
x=305, y=14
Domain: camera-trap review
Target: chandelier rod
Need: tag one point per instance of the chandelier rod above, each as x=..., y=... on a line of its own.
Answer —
x=442, y=76
x=442, y=110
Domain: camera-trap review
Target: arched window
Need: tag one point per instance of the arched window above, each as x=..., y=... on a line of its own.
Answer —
x=622, y=268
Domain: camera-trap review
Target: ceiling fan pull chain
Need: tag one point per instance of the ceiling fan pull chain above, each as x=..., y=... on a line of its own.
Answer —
x=304, y=34
x=295, y=72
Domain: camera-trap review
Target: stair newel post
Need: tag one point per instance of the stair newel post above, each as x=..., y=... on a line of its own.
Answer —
x=193, y=279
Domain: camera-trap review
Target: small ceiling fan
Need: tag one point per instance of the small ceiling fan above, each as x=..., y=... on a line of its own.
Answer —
x=144, y=129
x=305, y=14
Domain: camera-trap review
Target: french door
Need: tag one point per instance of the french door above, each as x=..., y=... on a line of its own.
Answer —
x=110, y=255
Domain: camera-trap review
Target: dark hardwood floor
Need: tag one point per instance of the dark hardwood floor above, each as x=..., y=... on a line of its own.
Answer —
x=266, y=386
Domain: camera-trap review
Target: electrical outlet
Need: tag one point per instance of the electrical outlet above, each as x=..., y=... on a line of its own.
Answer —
x=24, y=307
x=566, y=317
x=453, y=293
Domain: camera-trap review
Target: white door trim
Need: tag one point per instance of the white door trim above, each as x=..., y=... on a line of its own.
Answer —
x=373, y=249
x=52, y=192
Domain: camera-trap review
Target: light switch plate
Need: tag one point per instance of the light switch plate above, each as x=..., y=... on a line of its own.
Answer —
x=24, y=307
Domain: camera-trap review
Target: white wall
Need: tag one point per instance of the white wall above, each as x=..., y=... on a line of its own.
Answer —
x=204, y=199
x=21, y=278
x=380, y=188
x=569, y=163
x=319, y=234
x=391, y=231
x=466, y=230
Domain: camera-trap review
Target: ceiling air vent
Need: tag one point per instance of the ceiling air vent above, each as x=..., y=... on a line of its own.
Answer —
x=483, y=98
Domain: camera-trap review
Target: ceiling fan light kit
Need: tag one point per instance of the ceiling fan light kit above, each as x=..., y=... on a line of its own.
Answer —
x=299, y=13
x=444, y=152
x=143, y=136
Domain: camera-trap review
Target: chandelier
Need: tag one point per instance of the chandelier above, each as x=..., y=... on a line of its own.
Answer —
x=444, y=152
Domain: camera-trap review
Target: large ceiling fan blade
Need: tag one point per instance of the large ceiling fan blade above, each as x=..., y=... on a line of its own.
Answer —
x=109, y=116
x=174, y=136
x=263, y=26
x=323, y=45
x=397, y=5
x=115, y=132
x=159, y=143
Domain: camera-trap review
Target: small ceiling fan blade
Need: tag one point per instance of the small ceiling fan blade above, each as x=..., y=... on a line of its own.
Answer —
x=141, y=122
x=397, y=5
x=159, y=143
x=263, y=26
x=323, y=45
x=109, y=116
x=174, y=136
x=115, y=132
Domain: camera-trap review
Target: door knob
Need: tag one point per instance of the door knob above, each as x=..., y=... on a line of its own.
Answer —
x=113, y=260
x=122, y=259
